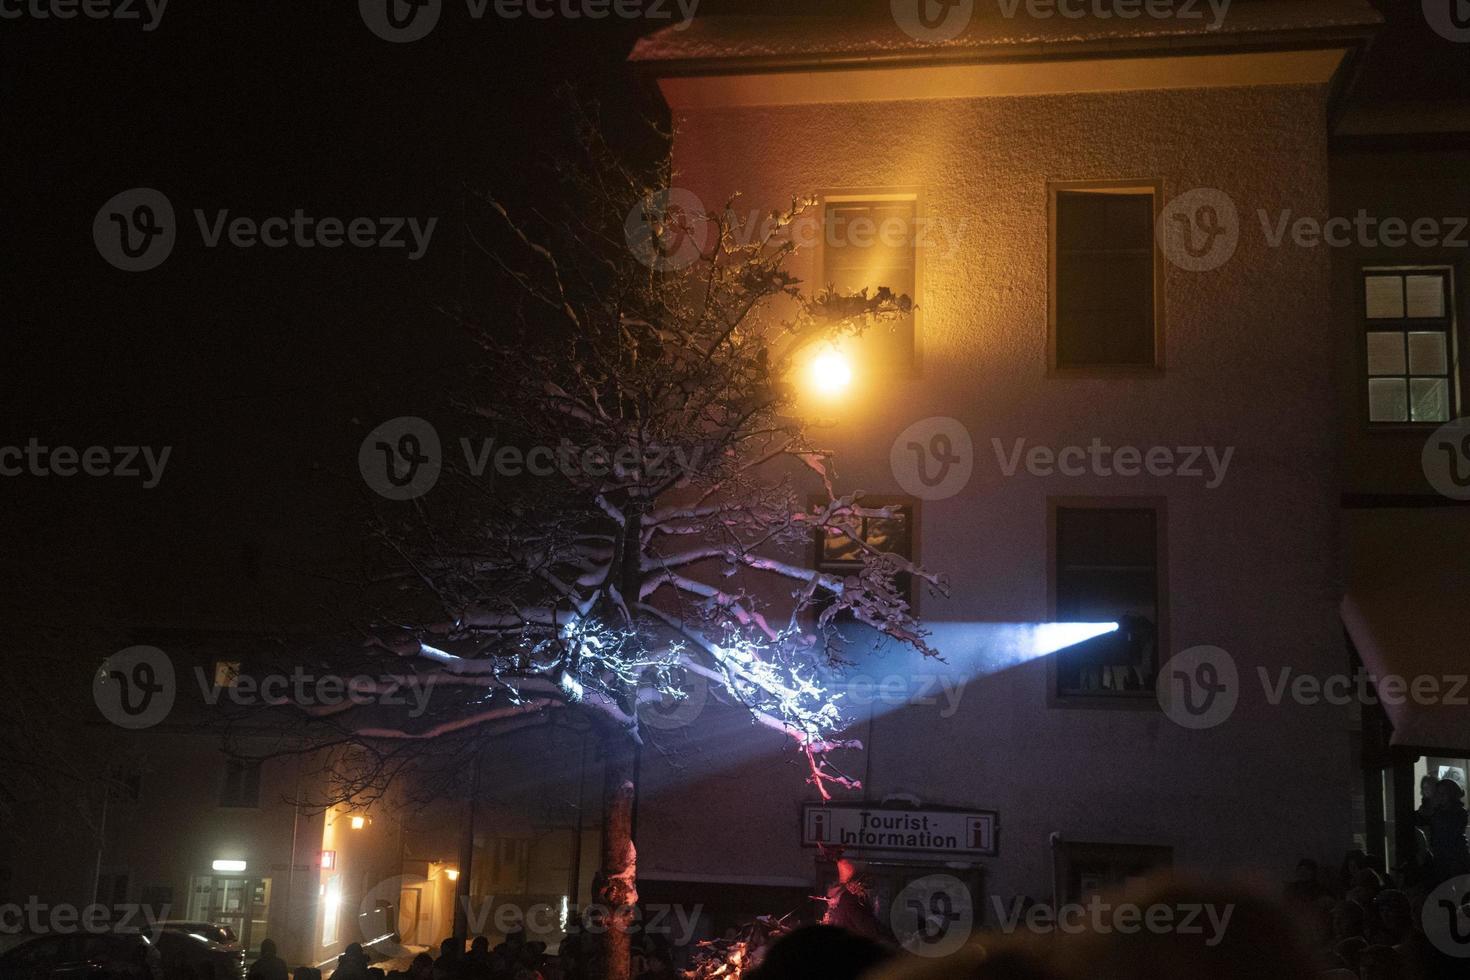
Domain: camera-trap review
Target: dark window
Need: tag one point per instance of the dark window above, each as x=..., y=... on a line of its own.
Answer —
x=1107, y=572
x=1410, y=346
x=241, y=784
x=870, y=244
x=1104, y=279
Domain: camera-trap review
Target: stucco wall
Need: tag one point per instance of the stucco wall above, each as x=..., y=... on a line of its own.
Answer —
x=1249, y=564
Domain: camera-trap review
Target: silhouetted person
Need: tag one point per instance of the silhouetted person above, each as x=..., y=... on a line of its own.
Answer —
x=1446, y=824
x=352, y=964
x=1305, y=887
x=268, y=966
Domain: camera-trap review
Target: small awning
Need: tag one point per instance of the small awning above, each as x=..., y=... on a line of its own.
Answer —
x=1407, y=609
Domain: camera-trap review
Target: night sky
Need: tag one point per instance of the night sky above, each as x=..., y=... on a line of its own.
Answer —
x=263, y=368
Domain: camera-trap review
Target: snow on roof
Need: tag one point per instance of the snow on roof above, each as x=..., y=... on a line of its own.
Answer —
x=988, y=32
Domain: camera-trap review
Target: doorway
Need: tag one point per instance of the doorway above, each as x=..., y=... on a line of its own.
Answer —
x=241, y=903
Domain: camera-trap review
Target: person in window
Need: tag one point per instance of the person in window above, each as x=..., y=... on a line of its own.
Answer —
x=1446, y=824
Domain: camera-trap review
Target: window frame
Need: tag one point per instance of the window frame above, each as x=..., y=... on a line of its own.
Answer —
x=224, y=783
x=1405, y=325
x=878, y=500
x=1160, y=507
x=1138, y=186
x=887, y=194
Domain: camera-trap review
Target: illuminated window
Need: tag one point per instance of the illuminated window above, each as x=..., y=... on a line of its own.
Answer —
x=226, y=672
x=1107, y=569
x=867, y=245
x=1410, y=346
x=1104, y=277
x=840, y=549
x=240, y=786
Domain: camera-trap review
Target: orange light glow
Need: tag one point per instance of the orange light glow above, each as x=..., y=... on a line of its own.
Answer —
x=359, y=822
x=831, y=372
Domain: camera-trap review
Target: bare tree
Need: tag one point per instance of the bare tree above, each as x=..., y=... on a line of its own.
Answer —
x=661, y=532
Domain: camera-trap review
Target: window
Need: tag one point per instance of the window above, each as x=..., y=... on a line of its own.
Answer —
x=1409, y=317
x=868, y=244
x=1107, y=570
x=226, y=673
x=241, y=785
x=840, y=549
x=1105, y=280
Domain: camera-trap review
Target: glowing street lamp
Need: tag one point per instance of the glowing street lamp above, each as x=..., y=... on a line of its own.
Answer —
x=831, y=372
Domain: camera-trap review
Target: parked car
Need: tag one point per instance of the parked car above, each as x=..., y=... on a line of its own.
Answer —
x=83, y=956
x=187, y=945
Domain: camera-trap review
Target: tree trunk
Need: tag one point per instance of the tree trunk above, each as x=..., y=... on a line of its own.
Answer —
x=615, y=890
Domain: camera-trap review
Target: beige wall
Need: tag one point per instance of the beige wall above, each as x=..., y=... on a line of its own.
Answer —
x=1250, y=565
